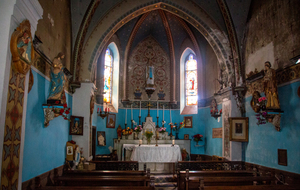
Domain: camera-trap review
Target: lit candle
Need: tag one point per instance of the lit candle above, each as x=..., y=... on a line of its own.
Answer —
x=126, y=117
x=98, y=110
x=173, y=142
x=140, y=107
x=131, y=113
x=157, y=109
x=163, y=112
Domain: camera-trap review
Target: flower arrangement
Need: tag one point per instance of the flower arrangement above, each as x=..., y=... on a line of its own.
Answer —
x=148, y=134
x=162, y=130
x=138, y=129
x=64, y=112
x=127, y=131
x=262, y=102
x=197, y=138
x=176, y=129
x=215, y=112
x=261, y=118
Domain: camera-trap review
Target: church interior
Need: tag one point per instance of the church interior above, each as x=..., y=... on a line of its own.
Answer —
x=165, y=91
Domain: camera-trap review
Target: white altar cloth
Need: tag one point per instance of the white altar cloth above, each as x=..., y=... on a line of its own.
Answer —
x=159, y=154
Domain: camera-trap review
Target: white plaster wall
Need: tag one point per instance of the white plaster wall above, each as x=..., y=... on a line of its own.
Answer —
x=81, y=107
x=259, y=57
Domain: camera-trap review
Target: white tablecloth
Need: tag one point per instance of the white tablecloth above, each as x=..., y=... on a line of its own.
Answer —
x=151, y=153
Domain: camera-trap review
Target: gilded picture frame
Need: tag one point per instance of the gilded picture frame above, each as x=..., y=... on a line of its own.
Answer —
x=239, y=129
x=76, y=125
x=111, y=121
x=188, y=122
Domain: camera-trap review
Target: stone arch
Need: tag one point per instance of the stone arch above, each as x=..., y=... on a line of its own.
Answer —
x=188, y=11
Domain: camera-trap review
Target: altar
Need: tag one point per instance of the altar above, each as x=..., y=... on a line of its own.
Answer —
x=125, y=152
x=163, y=153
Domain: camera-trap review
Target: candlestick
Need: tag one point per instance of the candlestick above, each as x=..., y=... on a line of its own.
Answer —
x=126, y=117
x=173, y=142
x=163, y=112
x=170, y=115
x=140, y=108
x=131, y=113
x=139, y=120
x=140, y=142
x=157, y=109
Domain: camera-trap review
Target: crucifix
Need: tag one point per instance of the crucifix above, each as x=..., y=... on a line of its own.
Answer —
x=148, y=109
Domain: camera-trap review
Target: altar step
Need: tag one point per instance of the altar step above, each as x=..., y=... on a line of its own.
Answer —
x=165, y=182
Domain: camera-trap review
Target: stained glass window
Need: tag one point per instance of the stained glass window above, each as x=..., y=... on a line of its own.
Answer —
x=108, y=73
x=191, y=87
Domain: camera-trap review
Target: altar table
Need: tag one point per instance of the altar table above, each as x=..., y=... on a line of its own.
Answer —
x=162, y=153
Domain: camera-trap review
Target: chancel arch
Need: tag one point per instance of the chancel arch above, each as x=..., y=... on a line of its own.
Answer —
x=200, y=20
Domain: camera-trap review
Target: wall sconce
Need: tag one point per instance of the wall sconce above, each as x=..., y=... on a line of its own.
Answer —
x=103, y=114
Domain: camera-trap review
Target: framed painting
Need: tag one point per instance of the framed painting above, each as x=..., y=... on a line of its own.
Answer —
x=101, y=138
x=76, y=125
x=239, y=129
x=186, y=137
x=188, y=122
x=111, y=121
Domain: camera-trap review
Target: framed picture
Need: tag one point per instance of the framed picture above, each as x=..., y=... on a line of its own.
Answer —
x=76, y=125
x=186, y=136
x=101, y=138
x=188, y=121
x=239, y=129
x=111, y=121
x=282, y=157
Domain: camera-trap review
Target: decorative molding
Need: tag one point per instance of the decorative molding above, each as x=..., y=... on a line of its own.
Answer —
x=81, y=36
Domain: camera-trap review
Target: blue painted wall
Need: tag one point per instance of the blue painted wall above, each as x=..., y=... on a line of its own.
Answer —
x=264, y=140
x=213, y=145
x=202, y=124
x=44, y=147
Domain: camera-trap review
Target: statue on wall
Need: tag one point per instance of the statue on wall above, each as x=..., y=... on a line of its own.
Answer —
x=270, y=87
x=57, y=79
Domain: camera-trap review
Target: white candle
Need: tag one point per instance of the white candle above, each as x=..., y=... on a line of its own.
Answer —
x=140, y=107
x=131, y=113
x=173, y=142
x=163, y=112
x=157, y=109
x=140, y=142
x=170, y=115
x=126, y=117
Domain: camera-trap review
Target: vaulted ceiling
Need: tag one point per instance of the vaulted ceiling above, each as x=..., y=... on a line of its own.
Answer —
x=229, y=16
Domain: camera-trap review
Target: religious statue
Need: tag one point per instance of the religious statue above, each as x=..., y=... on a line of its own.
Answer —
x=119, y=132
x=57, y=79
x=185, y=155
x=213, y=107
x=24, y=47
x=254, y=101
x=270, y=87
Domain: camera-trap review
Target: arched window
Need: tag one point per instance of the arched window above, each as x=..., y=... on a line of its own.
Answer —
x=191, y=83
x=108, y=76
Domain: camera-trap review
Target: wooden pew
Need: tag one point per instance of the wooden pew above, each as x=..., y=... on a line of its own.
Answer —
x=182, y=175
x=253, y=187
x=105, y=173
x=201, y=182
x=116, y=165
x=104, y=180
x=96, y=188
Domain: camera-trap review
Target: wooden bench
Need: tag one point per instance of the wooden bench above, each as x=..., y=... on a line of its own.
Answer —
x=253, y=187
x=182, y=175
x=116, y=165
x=105, y=173
x=201, y=182
x=104, y=180
x=96, y=188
